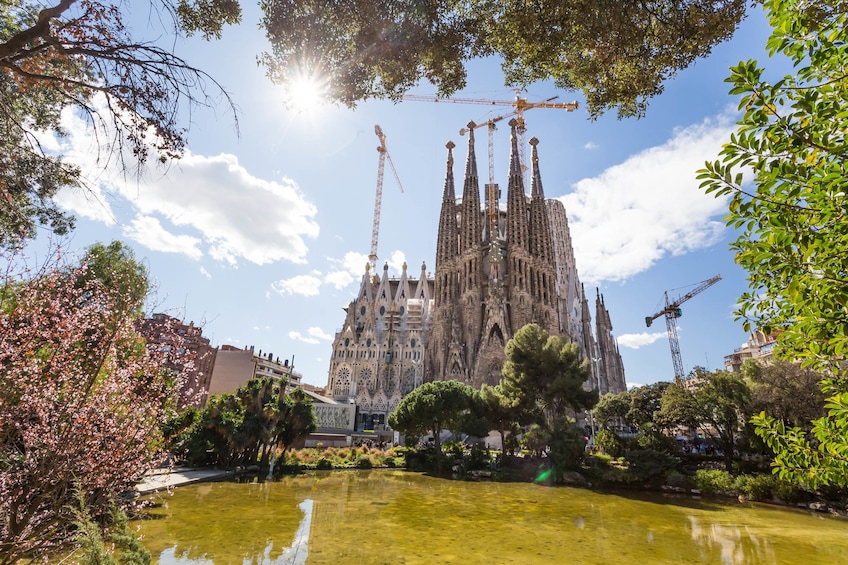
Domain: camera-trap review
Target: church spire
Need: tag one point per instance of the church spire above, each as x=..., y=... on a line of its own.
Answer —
x=471, y=234
x=536, y=182
x=540, y=224
x=447, y=243
x=516, y=200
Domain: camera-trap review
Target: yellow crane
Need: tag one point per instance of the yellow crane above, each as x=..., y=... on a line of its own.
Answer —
x=672, y=311
x=519, y=105
x=378, y=200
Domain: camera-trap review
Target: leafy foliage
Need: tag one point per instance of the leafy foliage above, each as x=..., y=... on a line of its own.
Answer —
x=618, y=53
x=713, y=481
x=714, y=404
x=499, y=410
x=78, y=55
x=785, y=391
x=432, y=407
x=650, y=466
x=82, y=399
x=792, y=218
x=545, y=376
x=246, y=427
x=791, y=138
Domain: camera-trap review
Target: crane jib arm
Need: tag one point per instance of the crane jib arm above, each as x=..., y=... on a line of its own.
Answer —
x=673, y=308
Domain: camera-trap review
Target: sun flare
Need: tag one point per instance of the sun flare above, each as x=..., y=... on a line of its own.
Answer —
x=306, y=93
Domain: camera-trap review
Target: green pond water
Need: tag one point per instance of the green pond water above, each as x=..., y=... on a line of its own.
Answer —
x=397, y=517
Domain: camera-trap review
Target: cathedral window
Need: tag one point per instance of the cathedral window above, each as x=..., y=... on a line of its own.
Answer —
x=343, y=381
x=382, y=310
x=362, y=311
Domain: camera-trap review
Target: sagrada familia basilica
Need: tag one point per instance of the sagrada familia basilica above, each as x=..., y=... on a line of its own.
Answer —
x=497, y=269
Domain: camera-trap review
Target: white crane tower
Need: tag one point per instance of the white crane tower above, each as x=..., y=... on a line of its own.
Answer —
x=378, y=200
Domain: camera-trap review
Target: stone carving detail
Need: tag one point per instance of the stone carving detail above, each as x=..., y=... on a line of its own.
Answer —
x=332, y=416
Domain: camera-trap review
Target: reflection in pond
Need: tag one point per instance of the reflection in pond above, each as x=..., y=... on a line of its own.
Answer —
x=407, y=518
x=299, y=550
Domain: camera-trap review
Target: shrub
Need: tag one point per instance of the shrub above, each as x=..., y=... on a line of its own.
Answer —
x=324, y=464
x=567, y=447
x=479, y=457
x=651, y=437
x=713, y=481
x=365, y=463
x=648, y=465
x=454, y=449
x=788, y=492
x=678, y=480
x=609, y=442
x=755, y=487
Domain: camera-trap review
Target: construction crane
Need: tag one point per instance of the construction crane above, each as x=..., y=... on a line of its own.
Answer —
x=378, y=200
x=519, y=105
x=671, y=312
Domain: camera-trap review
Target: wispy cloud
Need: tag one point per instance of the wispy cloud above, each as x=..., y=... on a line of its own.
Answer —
x=205, y=273
x=314, y=336
x=318, y=333
x=212, y=200
x=339, y=279
x=297, y=336
x=635, y=341
x=304, y=285
x=150, y=233
x=635, y=213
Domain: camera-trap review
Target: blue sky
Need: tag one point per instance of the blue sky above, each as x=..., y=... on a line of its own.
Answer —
x=262, y=231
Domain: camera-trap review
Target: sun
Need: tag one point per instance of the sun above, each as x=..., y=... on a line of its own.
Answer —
x=306, y=93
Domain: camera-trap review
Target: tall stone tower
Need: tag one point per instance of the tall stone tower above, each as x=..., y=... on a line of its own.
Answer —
x=496, y=271
x=610, y=368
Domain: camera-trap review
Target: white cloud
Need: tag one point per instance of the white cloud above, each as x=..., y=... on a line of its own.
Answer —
x=635, y=213
x=297, y=336
x=235, y=215
x=314, y=335
x=305, y=285
x=150, y=233
x=396, y=261
x=240, y=216
x=339, y=279
x=355, y=263
x=635, y=341
x=205, y=273
x=590, y=145
x=349, y=269
x=318, y=333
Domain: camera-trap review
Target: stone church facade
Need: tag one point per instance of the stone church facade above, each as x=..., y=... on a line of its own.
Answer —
x=378, y=356
x=499, y=266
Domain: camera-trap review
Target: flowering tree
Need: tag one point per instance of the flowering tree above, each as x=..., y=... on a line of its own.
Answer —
x=81, y=399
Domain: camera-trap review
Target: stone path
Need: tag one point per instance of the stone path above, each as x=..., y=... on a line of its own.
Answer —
x=163, y=479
